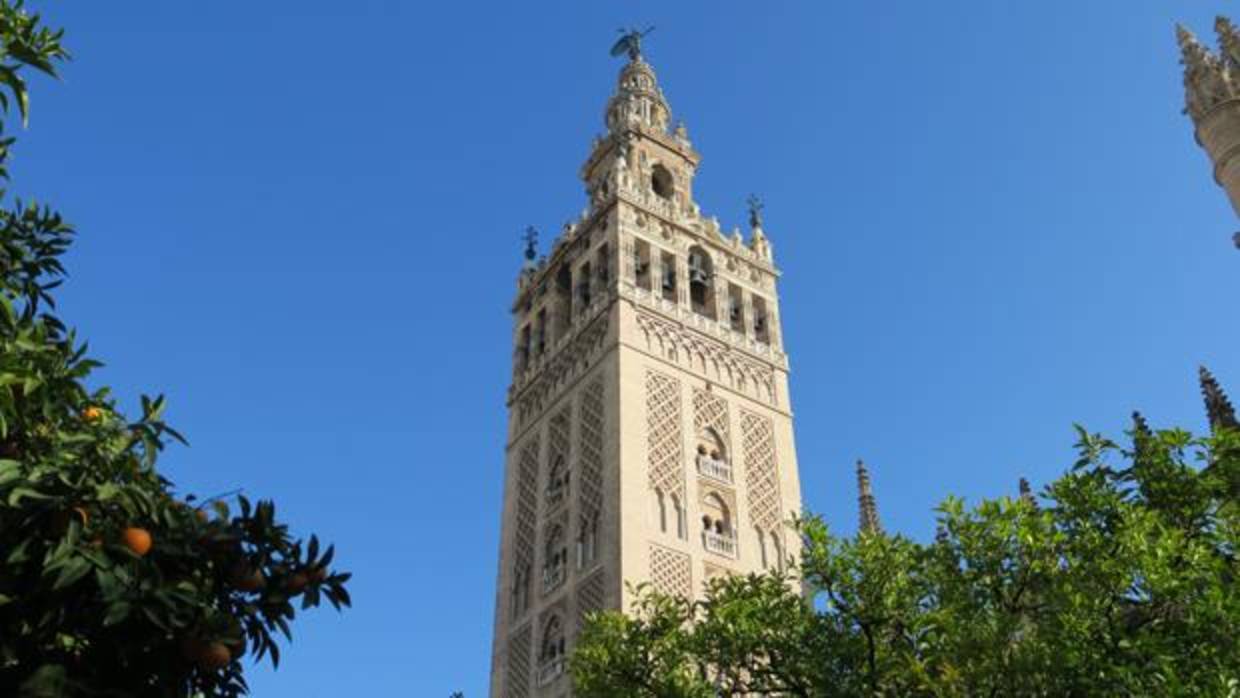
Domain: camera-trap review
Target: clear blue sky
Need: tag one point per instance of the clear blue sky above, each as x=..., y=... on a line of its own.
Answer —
x=301, y=221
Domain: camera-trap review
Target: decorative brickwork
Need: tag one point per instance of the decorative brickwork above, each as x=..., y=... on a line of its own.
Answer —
x=666, y=449
x=761, y=476
x=527, y=507
x=671, y=571
x=711, y=411
x=517, y=683
x=590, y=449
x=557, y=449
x=589, y=597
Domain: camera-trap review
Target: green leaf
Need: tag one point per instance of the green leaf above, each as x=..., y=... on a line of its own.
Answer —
x=20, y=493
x=72, y=571
x=117, y=612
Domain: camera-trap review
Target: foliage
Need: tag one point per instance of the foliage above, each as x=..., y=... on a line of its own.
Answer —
x=1122, y=582
x=109, y=585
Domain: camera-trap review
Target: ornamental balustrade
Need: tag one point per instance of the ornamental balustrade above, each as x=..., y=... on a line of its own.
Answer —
x=719, y=543
x=714, y=468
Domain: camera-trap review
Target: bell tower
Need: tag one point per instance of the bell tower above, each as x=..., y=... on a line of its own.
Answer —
x=649, y=432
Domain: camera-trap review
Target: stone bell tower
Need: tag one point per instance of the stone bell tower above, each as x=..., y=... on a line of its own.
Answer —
x=1212, y=99
x=649, y=432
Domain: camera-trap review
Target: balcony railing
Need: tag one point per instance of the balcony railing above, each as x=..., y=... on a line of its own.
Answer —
x=715, y=468
x=550, y=670
x=554, y=577
x=719, y=543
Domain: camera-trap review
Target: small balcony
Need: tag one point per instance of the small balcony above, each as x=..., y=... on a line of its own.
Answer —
x=550, y=670
x=553, y=577
x=719, y=543
x=714, y=468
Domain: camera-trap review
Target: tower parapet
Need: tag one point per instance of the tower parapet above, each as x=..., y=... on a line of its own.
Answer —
x=1212, y=100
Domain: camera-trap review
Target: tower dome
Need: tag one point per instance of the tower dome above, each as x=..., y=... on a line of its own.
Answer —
x=638, y=100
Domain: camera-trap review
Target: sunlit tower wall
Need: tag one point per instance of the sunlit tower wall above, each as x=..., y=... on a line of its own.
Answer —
x=649, y=432
x=1212, y=100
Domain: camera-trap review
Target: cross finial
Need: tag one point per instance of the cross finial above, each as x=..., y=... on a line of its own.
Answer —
x=531, y=241
x=755, y=210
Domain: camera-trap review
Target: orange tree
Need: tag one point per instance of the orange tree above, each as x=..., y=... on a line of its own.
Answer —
x=109, y=584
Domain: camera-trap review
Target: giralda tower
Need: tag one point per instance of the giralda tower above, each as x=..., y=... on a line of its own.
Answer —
x=649, y=428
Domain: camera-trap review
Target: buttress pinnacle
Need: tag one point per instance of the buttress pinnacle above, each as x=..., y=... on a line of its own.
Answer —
x=1026, y=493
x=865, y=500
x=1218, y=408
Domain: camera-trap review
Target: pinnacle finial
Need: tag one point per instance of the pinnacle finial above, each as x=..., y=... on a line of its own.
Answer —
x=1026, y=493
x=531, y=242
x=1141, y=435
x=1228, y=42
x=755, y=210
x=1185, y=36
x=1218, y=408
x=866, y=503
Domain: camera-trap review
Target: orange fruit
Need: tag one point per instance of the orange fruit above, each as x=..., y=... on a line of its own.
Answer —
x=92, y=413
x=296, y=583
x=213, y=656
x=138, y=540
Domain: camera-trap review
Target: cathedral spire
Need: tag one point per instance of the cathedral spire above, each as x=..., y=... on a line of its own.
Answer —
x=1218, y=407
x=865, y=502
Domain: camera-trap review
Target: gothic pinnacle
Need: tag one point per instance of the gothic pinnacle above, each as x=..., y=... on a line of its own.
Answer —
x=1228, y=42
x=1185, y=37
x=1026, y=493
x=865, y=501
x=1218, y=407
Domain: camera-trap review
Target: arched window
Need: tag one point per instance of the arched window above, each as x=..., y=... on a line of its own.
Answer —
x=551, y=652
x=555, y=561
x=563, y=301
x=712, y=459
x=557, y=481
x=661, y=510
x=661, y=182
x=778, y=549
x=520, y=589
x=717, y=513
x=587, y=540
x=681, y=523
x=701, y=282
x=717, y=535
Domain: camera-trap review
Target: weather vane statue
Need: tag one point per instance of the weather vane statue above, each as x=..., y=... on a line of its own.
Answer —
x=630, y=43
